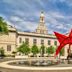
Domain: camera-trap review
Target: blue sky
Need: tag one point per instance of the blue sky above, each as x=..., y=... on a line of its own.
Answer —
x=24, y=14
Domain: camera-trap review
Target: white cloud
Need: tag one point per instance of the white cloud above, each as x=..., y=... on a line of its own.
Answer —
x=56, y=15
x=60, y=26
x=23, y=25
x=53, y=23
x=40, y=2
x=22, y=13
x=15, y=18
x=50, y=17
x=62, y=0
x=30, y=9
x=68, y=2
x=28, y=26
x=8, y=1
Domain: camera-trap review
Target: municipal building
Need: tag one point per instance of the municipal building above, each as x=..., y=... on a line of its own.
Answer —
x=40, y=37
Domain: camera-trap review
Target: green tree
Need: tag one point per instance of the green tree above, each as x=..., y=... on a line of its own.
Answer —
x=62, y=52
x=24, y=49
x=34, y=50
x=50, y=50
x=42, y=50
x=3, y=26
x=2, y=52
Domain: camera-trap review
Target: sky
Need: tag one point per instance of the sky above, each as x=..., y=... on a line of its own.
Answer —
x=24, y=14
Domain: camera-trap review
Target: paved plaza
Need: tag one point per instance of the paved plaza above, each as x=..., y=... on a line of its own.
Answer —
x=4, y=67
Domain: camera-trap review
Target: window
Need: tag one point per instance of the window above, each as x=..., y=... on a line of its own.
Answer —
x=42, y=42
x=20, y=40
x=27, y=40
x=49, y=42
x=55, y=42
x=34, y=41
x=8, y=47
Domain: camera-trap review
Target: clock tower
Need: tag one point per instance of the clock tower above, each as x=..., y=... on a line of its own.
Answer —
x=41, y=27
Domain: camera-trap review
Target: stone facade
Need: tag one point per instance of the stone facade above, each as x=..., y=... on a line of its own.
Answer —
x=7, y=41
x=15, y=38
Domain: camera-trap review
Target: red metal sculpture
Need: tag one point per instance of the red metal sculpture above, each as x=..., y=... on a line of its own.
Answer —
x=63, y=40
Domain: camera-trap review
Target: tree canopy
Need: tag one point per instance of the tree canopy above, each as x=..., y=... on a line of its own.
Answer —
x=24, y=48
x=42, y=50
x=62, y=52
x=34, y=49
x=50, y=50
x=2, y=52
x=3, y=26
